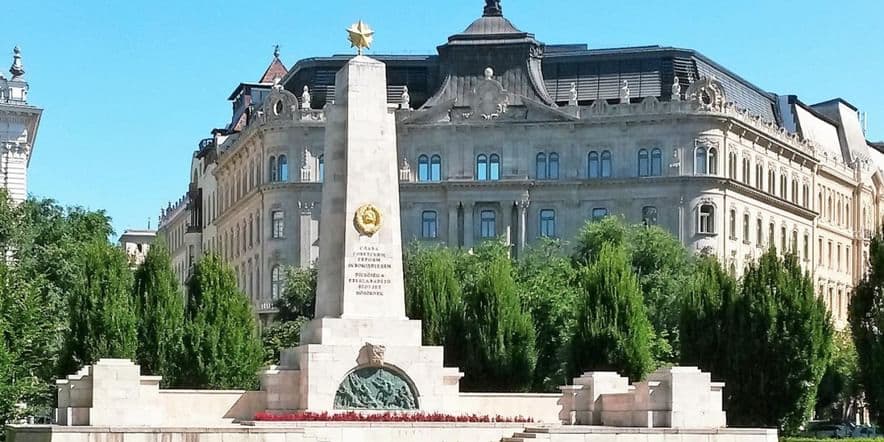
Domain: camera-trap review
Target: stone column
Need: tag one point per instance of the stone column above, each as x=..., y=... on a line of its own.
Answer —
x=523, y=225
x=452, y=223
x=469, y=234
x=305, y=216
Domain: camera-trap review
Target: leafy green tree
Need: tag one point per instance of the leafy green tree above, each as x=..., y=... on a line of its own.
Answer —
x=612, y=331
x=222, y=348
x=295, y=307
x=663, y=267
x=839, y=391
x=779, y=339
x=498, y=347
x=27, y=348
x=159, y=305
x=866, y=318
x=433, y=293
x=548, y=283
x=101, y=312
x=703, y=328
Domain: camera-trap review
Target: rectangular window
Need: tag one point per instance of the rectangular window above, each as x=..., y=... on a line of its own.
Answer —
x=746, y=227
x=649, y=215
x=759, y=238
x=838, y=249
x=706, y=219
x=599, y=213
x=428, y=224
x=487, y=224
x=548, y=223
x=278, y=224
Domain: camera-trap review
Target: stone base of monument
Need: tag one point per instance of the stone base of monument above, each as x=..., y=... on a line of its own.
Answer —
x=329, y=372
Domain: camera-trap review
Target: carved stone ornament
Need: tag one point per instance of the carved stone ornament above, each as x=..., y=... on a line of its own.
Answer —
x=367, y=220
x=490, y=100
x=375, y=388
x=707, y=93
x=373, y=354
x=279, y=104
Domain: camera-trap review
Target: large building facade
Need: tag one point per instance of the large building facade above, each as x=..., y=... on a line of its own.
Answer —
x=500, y=135
x=18, y=130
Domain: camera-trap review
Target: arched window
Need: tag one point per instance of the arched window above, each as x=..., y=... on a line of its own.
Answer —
x=278, y=220
x=606, y=164
x=783, y=189
x=794, y=245
x=644, y=167
x=494, y=167
x=805, y=196
x=423, y=168
x=819, y=206
x=656, y=162
x=275, y=282
x=553, y=169
x=257, y=173
x=706, y=219
x=482, y=167
x=540, y=166
x=548, y=223
x=732, y=224
x=487, y=224
x=759, y=236
x=251, y=232
x=273, y=172
x=436, y=168
x=772, y=182
x=592, y=170
x=283, y=168
x=321, y=174
x=713, y=161
x=795, y=191
x=759, y=176
x=747, y=170
x=746, y=227
x=700, y=161
x=251, y=174
x=732, y=165
x=428, y=224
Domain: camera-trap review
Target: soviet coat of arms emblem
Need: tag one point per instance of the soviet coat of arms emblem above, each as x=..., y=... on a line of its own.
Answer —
x=367, y=220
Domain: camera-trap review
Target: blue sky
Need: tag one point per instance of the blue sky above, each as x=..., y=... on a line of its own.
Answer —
x=130, y=87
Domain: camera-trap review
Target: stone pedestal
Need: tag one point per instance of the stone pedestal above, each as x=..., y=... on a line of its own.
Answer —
x=361, y=352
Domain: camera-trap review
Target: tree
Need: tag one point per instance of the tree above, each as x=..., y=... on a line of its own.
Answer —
x=159, y=305
x=779, y=338
x=866, y=318
x=663, y=267
x=839, y=392
x=295, y=307
x=548, y=283
x=222, y=349
x=612, y=331
x=101, y=312
x=498, y=348
x=433, y=293
x=703, y=327
x=27, y=348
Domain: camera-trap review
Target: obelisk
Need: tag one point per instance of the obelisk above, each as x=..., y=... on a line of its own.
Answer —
x=360, y=337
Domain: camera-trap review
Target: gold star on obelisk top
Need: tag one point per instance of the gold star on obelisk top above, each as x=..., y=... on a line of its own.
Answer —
x=360, y=36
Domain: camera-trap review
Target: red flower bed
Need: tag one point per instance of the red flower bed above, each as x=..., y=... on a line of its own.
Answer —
x=352, y=416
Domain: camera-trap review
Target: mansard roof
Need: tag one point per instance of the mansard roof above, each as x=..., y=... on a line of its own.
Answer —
x=528, y=68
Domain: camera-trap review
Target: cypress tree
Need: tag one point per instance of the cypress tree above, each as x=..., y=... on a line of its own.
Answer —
x=711, y=291
x=432, y=292
x=160, y=308
x=102, y=322
x=612, y=331
x=779, y=339
x=222, y=348
x=867, y=324
x=498, y=348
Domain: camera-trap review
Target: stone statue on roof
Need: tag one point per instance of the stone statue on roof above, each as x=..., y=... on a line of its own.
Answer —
x=676, y=90
x=305, y=98
x=492, y=8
